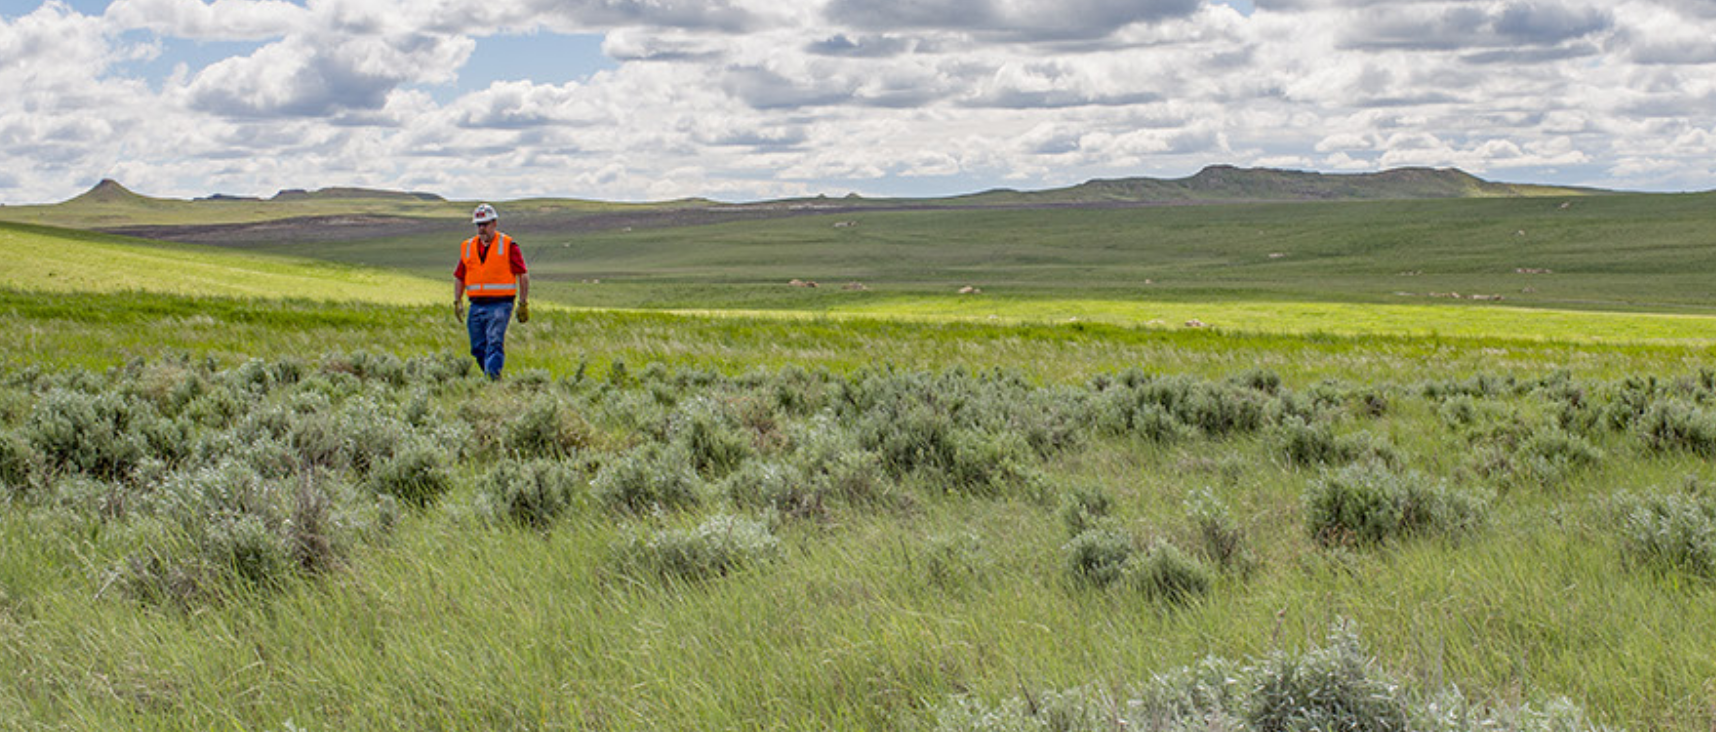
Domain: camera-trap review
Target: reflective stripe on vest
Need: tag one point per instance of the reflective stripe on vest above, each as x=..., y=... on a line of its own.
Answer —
x=489, y=276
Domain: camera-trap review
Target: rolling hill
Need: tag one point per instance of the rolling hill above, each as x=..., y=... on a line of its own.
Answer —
x=110, y=205
x=61, y=261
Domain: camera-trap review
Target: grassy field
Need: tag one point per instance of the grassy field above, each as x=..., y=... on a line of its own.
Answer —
x=888, y=594
x=1614, y=253
x=291, y=505
x=63, y=262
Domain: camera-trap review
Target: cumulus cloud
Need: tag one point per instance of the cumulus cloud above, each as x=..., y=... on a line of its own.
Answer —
x=301, y=78
x=1016, y=20
x=863, y=46
x=221, y=20
x=753, y=98
x=522, y=105
x=1466, y=25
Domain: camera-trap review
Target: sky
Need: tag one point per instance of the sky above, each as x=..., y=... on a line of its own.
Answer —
x=744, y=100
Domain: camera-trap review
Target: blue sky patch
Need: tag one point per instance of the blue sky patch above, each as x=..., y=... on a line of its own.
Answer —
x=194, y=54
x=542, y=58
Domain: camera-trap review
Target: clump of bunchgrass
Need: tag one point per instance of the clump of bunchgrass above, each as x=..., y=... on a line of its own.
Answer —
x=315, y=529
x=956, y=559
x=1159, y=571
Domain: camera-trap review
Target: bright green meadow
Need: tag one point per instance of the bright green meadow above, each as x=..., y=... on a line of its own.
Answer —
x=260, y=486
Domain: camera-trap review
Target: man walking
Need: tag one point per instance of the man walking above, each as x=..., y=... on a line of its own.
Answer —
x=491, y=273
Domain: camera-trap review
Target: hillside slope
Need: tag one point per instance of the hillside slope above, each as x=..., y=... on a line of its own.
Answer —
x=1226, y=183
x=42, y=259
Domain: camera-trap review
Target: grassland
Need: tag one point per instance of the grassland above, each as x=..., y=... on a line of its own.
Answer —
x=1609, y=253
x=905, y=479
x=61, y=263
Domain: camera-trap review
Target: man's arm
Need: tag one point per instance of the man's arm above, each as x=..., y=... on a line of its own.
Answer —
x=459, y=299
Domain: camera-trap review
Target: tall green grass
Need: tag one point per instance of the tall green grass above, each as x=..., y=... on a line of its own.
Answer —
x=97, y=330
x=291, y=503
x=901, y=582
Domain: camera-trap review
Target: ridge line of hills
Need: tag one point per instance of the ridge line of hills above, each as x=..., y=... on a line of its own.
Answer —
x=1215, y=183
x=110, y=206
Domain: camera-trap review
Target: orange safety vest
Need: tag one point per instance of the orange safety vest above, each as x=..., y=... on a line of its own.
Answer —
x=491, y=276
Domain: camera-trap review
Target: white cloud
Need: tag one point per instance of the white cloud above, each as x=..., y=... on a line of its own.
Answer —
x=752, y=98
x=222, y=20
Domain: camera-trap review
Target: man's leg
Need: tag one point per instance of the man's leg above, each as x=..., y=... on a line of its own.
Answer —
x=495, y=359
x=477, y=324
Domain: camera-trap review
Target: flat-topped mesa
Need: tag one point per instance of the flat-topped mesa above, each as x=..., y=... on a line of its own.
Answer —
x=299, y=194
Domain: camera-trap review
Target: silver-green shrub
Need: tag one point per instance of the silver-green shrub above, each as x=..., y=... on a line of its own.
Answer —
x=532, y=493
x=19, y=465
x=1215, y=532
x=1162, y=572
x=1084, y=507
x=1677, y=424
x=1367, y=504
x=1337, y=687
x=773, y=486
x=648, y=478
x=711, y=436
x=90, y=433
x=1098, y=557
x=1674, y=531
x=716, y=547
x=548, y=428
x=415, y=473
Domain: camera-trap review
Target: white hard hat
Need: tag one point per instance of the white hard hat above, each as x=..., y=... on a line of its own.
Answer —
x=484, y=214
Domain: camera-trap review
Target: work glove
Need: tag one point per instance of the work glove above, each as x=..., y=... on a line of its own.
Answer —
x=459, y=310
x=523, y=312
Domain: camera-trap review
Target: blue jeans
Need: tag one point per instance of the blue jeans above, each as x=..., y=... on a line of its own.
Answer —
x=487, y=325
